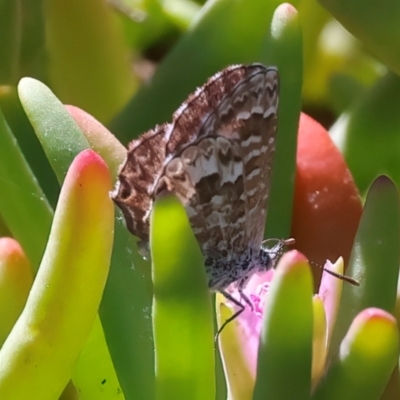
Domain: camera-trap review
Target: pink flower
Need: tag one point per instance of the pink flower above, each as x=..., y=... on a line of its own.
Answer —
x=239, y=342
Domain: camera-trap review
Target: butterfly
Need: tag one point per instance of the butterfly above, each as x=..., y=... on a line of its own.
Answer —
x=216, y=156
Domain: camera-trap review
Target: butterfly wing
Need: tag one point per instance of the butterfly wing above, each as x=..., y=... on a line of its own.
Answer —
x=137, y=178
x=208, y=179
x=215, y=156
x=222, y=165
x=258, y=136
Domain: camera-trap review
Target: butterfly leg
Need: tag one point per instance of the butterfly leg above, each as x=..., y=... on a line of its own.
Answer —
x=237, y=313
x=246, y=300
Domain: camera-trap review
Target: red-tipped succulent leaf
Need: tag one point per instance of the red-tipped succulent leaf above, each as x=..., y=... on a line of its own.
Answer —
x=327, y=206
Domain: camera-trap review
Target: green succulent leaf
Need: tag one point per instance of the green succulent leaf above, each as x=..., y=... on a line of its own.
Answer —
x=10, y=41
x=94, y=376
x=58, y=133
x=182, y=312
x=101, y=140
x=374, y=261
x=224, y=33
x=128, y=290
x=283, y=48
x=61, y=306
x=367, y=133
x=366, y=359
x=28, y=142
x=88, y=56
x=375, y=24
x=285, y=350
x=319, y=339
x=128, y=330
x=25, y=203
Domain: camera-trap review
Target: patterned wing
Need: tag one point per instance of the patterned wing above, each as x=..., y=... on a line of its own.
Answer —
x=215, y=156
x=222, y=169
x=249, y=117
x=150, y=153
x=137, y=178
x=207, y=177
x=257, y=125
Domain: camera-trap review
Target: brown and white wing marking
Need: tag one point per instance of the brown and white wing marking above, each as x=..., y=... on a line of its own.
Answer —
x=216, y=156
x=151, y=152
x=143, y=167
x=249, y=117
x=222, y=140
x=240, y=105
x=208, y=180
x=256, y=110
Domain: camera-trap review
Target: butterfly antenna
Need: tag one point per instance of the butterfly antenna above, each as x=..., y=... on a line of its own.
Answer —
x=289, y=242
x=342, y=277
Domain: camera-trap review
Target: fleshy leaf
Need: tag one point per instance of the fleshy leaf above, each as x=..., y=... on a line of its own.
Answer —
x=283, y=48
x=326, y=207
x=128, y=288
x=225, y=32
x=366, y=359
x=66, y=294
x=182, y=312
x=90, y=61
x=16, y=277
x=58, y=133
x=10, y=37
x=94, y=375
x=285, y=351
x=367, y=152
x=319, y=340
x=100, y=138
x=374, y=262
x=374, y=24
x=25, y=203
